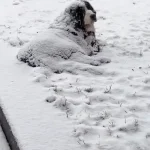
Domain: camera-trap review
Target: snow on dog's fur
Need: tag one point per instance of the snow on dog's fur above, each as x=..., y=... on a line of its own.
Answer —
x=69, y=37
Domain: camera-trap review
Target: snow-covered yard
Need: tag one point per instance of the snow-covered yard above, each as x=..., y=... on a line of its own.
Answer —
x=95, y=107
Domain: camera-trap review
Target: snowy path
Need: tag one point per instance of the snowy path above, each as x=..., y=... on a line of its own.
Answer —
x=108, y=109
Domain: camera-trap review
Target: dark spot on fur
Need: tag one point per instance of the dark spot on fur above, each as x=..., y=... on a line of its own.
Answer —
x=93, y=43
x=32, y=64
x=57, y=71
x=91, y=33
x=89, y=7
x=78, y=14
x=74, y=33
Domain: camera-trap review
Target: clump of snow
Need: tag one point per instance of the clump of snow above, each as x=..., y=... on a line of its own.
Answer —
x=15, y=42
x=50, y=99
x=15, y=3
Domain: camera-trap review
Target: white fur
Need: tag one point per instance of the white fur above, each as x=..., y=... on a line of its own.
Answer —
x=90, y=28
x=89, y=23
x=87, y=18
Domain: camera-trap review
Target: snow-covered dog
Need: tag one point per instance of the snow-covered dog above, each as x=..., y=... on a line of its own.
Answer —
x=70, y=37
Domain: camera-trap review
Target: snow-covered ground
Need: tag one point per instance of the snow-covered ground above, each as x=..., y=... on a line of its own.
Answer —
x=105, y=107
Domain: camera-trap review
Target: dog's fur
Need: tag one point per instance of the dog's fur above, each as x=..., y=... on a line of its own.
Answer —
x=71, y=36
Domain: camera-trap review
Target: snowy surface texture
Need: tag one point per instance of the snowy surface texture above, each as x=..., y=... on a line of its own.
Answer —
x=92, y=107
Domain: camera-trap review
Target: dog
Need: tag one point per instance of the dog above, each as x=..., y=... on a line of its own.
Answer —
x=70, y=37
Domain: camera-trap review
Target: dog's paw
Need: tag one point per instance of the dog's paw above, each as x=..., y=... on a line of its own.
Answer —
x=105, y=60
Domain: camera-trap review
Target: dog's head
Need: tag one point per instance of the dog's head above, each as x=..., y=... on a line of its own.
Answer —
x=82, y=14
x=90, y=14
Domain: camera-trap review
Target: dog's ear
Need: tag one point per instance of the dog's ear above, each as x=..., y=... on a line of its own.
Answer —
x=78, y=14
x=89, y=6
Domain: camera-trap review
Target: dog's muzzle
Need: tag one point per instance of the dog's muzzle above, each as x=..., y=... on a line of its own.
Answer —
x=93, y=17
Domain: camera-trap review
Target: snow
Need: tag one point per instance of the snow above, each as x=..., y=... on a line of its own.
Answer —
x=102, y=107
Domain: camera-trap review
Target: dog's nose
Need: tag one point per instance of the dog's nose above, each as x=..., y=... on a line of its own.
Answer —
x=93, y=17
